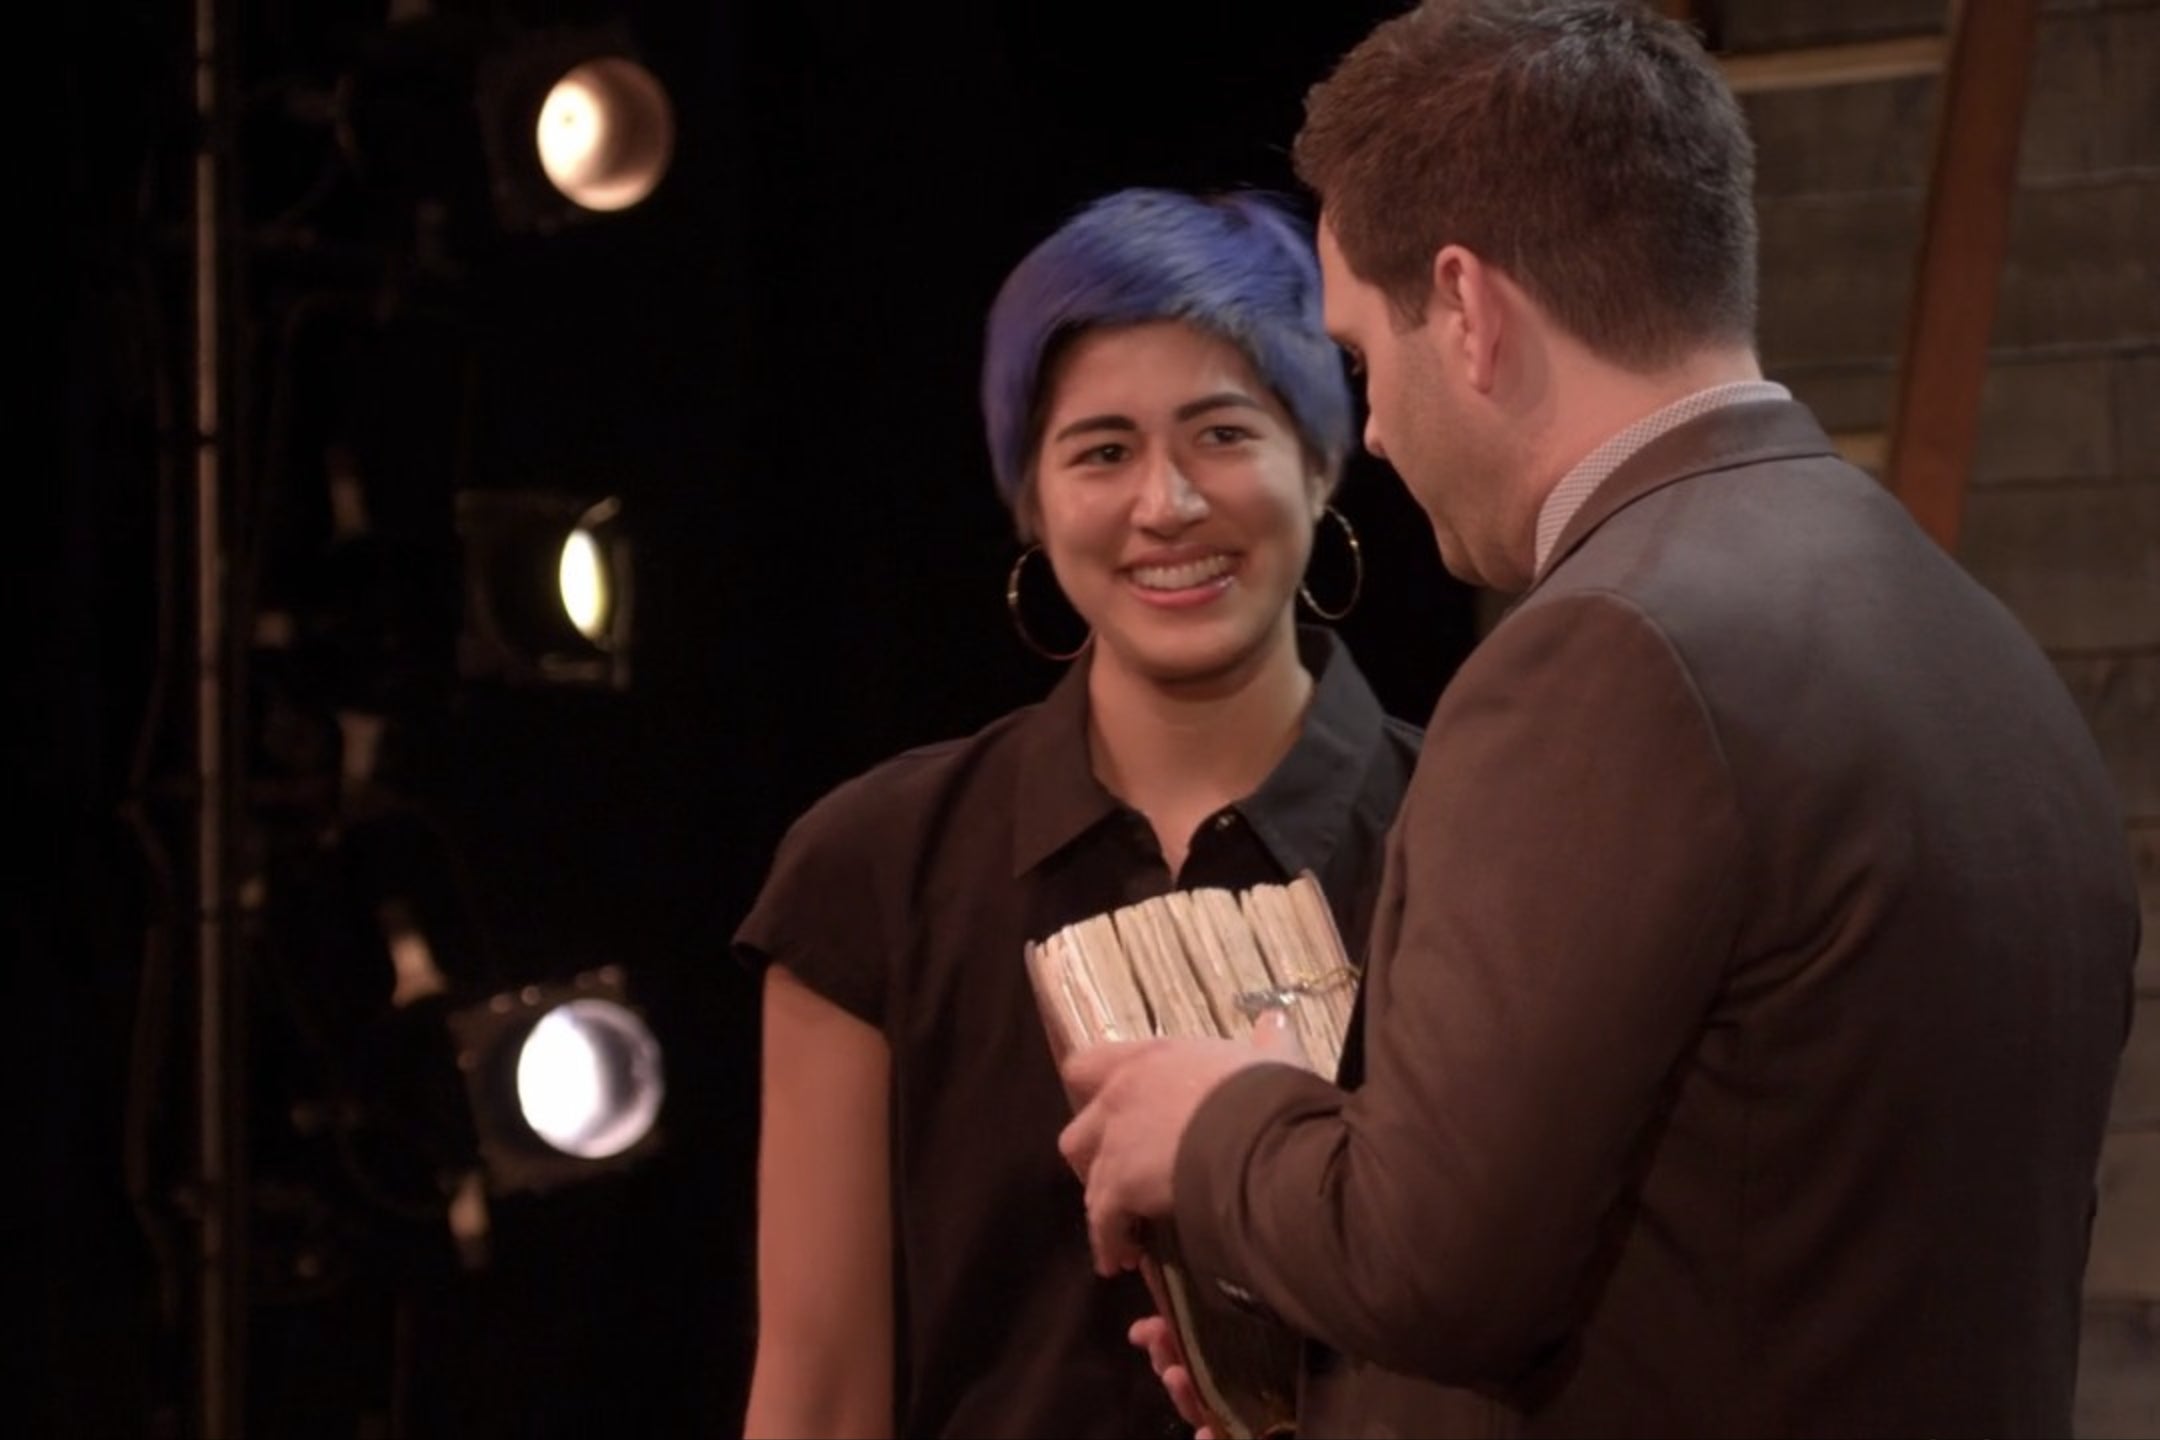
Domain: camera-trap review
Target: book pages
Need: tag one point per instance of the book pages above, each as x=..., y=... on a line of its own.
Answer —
x=1210, y=965
x=1107, y=980
x=1064, y=1015
x=1335, y=994
x=1172, y=992
x=1200, y=962
x=1240, y=948
x=1296, y=974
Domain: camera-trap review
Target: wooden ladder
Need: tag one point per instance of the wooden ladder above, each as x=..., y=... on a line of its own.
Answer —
x=1983, y=58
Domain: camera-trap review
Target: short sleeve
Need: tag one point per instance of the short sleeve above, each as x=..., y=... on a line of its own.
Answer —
x=820, y=912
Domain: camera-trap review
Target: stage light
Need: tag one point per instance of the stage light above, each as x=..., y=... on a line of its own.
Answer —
x=547, y=589
x=582, y=580
x=565, y=1080
x=588, y=1079
x=606, y=134
x=522, y=130
x=574, y=124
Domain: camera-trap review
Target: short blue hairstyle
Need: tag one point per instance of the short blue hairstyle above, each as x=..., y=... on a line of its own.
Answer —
x=1239, y=266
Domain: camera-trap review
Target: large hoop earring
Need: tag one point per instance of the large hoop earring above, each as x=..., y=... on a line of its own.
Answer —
x=1012, y=608
x=1357, y=571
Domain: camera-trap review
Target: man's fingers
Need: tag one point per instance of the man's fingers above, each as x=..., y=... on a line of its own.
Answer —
x=1276, y=1037
x=1113, y=1231
x=1185, y=1399
x=1155, y=1334
x=1089, y=1067
x=1081, y=1138
x=1106, y=1227
x=1158, y=1337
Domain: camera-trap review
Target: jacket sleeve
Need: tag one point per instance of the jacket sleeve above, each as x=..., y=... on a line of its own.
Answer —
x=1563, y=893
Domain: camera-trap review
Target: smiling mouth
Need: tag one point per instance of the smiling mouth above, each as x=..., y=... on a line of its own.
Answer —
x=1186, y=575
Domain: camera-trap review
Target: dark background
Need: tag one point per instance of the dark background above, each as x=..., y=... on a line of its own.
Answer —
x=772, y=362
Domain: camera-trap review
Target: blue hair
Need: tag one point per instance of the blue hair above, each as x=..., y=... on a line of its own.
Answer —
x=1238, y=266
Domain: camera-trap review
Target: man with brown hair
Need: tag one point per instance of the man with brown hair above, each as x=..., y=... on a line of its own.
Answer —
x=1753, y=961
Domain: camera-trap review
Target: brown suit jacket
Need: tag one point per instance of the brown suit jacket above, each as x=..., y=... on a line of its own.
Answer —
x=1748, y=983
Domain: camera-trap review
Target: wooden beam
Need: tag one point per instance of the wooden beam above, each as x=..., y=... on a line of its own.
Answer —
x=1705, y=17
x=1855, y=64
x=1864, y=448
x=1979, y=121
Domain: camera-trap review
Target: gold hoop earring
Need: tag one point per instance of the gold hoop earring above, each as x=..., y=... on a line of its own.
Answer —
x=1357, y=571
x=1012, y=608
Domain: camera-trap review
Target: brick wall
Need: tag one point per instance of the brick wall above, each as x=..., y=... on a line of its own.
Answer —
x=2063, y=517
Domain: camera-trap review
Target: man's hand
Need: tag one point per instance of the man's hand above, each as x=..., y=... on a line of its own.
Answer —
x=1158, y=1337
x=1136, y=1099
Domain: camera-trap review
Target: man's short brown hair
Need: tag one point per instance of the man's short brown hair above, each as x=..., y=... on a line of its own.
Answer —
x=1590, y=150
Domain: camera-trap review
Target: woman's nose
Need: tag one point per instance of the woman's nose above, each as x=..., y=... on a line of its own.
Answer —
x=1168, y=499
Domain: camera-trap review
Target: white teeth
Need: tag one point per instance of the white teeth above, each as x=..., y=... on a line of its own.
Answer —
x=1181, y=577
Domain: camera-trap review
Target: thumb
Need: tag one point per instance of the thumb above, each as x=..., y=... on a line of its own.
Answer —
x=1275, y=1037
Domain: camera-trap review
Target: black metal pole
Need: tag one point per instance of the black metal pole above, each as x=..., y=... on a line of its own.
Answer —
x=221, y=1294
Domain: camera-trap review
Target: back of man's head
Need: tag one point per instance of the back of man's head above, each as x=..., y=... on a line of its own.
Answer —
x=1589, y=148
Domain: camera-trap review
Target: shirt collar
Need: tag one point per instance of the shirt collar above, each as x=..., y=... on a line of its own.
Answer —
x=1056, y=796
x=1301, y=810
x=1597, y=467
x=1298, y=812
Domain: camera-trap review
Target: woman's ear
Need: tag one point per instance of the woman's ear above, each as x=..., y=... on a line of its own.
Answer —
x=1319, y=490
x=1027, y=512
x=1322, y=475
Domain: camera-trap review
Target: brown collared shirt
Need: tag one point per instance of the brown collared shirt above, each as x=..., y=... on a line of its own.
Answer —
x=906, y=896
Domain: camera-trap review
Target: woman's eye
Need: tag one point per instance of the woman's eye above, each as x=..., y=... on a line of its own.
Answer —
x=1107, y=453
x=1226, y=434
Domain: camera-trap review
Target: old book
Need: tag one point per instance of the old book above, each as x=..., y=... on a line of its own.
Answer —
x=1206, y=962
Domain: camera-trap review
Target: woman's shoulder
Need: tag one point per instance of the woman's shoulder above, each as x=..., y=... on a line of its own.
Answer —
x=849, y=856
x=1330, y=659
x=904, y=793
x=1401, y=736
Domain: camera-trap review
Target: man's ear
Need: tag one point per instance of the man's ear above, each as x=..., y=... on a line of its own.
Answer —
x=1467, y=301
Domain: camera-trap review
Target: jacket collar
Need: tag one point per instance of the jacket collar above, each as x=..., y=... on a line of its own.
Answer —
x=1724, y=439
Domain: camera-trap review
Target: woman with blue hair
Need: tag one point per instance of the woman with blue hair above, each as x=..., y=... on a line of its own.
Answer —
x=1166, y=420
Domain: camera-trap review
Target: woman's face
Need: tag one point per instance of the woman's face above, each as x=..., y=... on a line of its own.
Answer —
x=1174, y=501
